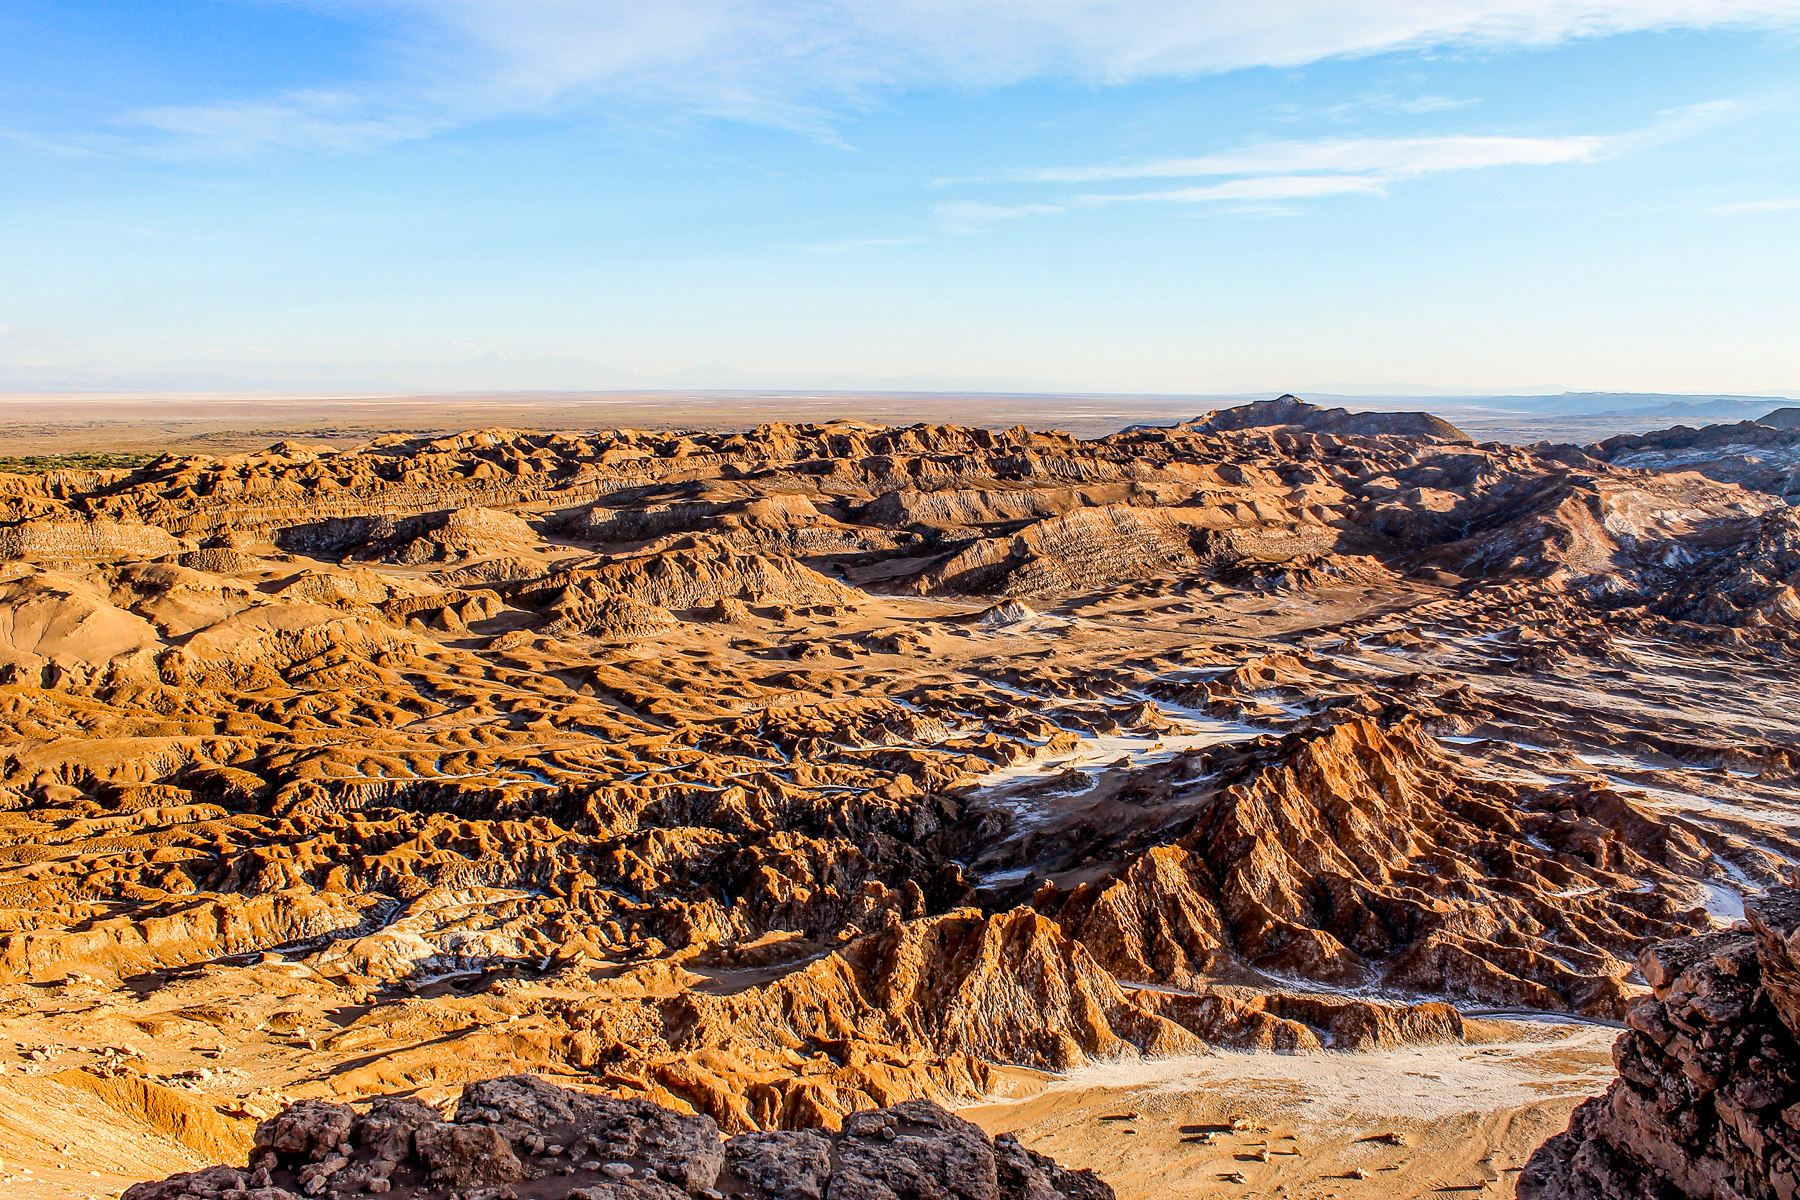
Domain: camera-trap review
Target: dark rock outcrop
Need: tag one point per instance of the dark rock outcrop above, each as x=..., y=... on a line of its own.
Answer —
x=1761, y=455
x=520, y=1138
x=1708, y=1100
x=1292, y=412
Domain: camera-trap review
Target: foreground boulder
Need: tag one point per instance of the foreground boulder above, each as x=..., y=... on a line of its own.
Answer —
x=1707, y=1103
x=520, y=1138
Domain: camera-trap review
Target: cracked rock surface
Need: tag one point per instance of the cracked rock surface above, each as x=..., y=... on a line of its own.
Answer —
x=1707, y=1103
x=521, y=1138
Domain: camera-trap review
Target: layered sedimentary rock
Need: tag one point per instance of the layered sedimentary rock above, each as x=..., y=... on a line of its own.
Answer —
x=1707, y=1103
x=784, y=774
x=67, y=537
x=1763, y=455
x=1358, y=854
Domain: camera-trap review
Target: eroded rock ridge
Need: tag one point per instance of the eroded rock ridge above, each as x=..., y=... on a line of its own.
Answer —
x=780, y=775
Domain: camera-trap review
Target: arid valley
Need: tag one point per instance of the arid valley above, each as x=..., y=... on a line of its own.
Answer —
x=1275, y=803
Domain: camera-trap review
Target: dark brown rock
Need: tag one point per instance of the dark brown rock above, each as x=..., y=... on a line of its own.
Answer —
x=613, y=1149
x=210, y=1184
x=1708, y=1068
x=1024, y=1174
x=461, y=1154
x=784, y=1163
x=933, y=1155
x=388, y=1128
x=309, y=1131
x=1775, y=916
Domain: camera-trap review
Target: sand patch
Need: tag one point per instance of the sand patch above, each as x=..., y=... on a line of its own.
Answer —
x=1466, y=1116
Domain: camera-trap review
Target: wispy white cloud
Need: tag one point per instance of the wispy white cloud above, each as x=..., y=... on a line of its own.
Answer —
x=1390, y=104
x=1339, y=166
x=1749, y=207
x=1393, y=157
x=1279, y=187
x=339, y=121
x=800, y=65
x=963, y=216
x=62, y=149
x=1678, y=123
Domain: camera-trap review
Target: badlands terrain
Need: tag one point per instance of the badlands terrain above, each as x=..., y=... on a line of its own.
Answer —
x=1273, y=803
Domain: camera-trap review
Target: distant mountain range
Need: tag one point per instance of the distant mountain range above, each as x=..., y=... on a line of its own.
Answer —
x=1597, y=404
x=1580, y=404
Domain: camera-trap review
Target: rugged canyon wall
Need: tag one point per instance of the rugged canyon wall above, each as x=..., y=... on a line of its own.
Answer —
x=1358, y=854
x=1707, y=1104
x=778, y=775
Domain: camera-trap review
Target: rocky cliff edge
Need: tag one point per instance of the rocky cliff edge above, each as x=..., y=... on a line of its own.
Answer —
x=1707, y=1104
x=520, y=1138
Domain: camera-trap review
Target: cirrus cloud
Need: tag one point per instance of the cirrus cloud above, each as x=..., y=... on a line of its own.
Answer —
x=1293, y=170
x=967, y=216
x=1280, y=187
x=802, y=65
x=1393, y=157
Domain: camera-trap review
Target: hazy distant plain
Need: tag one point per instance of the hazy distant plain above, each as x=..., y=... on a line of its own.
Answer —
x=210, y=423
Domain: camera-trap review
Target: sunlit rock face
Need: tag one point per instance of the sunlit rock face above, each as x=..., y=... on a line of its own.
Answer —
x=781, y=775
x=1709, y=1075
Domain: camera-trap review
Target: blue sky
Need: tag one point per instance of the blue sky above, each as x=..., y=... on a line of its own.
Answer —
x=1146, y=196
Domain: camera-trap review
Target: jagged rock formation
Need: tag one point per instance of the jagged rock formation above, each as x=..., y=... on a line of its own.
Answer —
x=1762, y=455
x=521, y=1137
x=785, y=774
x=595, y=614
x=1709, y=1087
x=1750, y=580
x=1358, y=854
x=68, y=538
